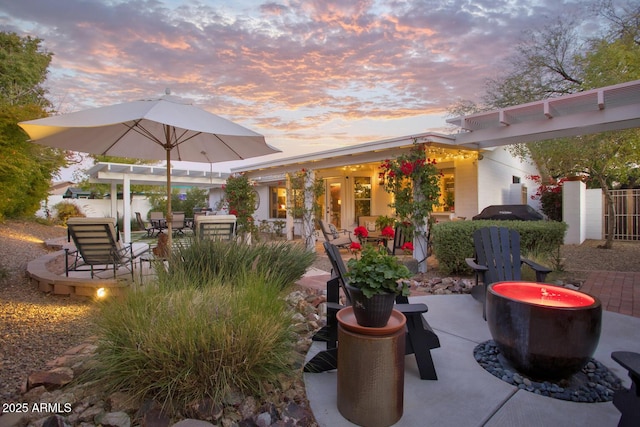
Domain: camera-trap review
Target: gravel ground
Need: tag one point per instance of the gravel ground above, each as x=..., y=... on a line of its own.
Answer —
x=36, y=328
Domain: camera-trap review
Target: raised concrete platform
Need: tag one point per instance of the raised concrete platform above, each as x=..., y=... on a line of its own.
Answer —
x=465, y=394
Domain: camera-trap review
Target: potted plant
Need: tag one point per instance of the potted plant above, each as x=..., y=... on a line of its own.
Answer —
x=375, y=279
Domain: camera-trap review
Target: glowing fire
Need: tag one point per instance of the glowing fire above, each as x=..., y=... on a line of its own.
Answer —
x=543, y=294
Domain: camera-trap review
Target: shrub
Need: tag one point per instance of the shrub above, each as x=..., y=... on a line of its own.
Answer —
x=453, y=241
x=204, y=262
x=66, y=210
x=183, y=345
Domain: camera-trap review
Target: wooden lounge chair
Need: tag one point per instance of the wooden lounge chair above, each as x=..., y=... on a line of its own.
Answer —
x=339, y=238
x=98, y=247
x=141, y=224
x=217, y=227
x=498, y=259
x=420, y=338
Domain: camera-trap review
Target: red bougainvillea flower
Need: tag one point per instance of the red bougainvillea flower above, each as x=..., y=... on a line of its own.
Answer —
x=233, y=212
x=388, y=232
x=355, y=246
x=361, y=232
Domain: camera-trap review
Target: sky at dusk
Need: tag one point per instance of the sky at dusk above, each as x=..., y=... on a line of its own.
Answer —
x=308, y=75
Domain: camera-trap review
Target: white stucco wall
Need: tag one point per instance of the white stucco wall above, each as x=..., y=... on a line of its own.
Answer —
x=594, y=214
x=99, y=208
x=495, y=177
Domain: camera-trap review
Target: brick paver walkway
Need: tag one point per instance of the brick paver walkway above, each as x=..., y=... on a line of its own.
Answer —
x=618, y=291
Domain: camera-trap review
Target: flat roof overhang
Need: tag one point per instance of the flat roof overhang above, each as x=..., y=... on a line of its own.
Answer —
x=369, y=152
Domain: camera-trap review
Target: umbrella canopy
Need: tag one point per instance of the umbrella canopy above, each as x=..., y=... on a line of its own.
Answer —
x=167, y=127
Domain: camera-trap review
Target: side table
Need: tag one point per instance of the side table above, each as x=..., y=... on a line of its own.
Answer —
x=371, y=370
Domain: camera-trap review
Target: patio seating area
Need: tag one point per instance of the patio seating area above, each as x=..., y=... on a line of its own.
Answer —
x=465, y=394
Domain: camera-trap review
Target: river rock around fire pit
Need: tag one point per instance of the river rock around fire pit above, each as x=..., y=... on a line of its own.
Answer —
x=594, y=383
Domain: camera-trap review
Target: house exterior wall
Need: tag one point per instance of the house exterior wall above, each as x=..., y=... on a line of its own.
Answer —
x=466, y=187
x=495, y=176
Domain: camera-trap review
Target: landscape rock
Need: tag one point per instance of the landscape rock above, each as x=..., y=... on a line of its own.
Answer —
x=52, y=379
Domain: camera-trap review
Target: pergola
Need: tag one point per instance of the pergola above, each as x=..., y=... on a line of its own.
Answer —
x=609, y=108
x=118, y=173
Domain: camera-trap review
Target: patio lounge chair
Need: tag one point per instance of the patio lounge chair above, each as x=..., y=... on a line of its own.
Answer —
x=420, y=338
x=339, y=238
x=148, y=228
x=217, y=227
x=498, y=259
x=98, y=247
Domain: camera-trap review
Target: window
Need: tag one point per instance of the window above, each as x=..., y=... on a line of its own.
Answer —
x=362, y=196
x=277, y=202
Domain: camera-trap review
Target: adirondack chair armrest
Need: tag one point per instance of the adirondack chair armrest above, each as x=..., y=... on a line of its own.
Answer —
x=475, y=266
x=629, y=361
x=541, y=271
x=334, y=306
x=408, y=309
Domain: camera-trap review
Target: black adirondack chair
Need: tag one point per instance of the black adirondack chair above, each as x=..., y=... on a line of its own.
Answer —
x=628, y=400
x=420, y=338
x=498, y=259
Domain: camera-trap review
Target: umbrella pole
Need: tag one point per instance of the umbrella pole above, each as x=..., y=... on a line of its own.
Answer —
x=169, y=213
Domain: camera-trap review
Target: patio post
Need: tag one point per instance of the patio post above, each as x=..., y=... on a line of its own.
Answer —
x=420, y=232
x=126, y=207
x=289, y=227
x=308, y=218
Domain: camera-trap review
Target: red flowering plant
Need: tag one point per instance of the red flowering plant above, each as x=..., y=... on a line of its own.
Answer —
x=388, y=232
x=549, y=193
x=355, y=248
x=414, y=180
x=361, y=233
x=407, y=248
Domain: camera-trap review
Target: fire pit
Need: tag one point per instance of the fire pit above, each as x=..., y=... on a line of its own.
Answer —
x=544, y=331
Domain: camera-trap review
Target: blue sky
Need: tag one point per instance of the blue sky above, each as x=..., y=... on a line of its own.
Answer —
x=309, y=75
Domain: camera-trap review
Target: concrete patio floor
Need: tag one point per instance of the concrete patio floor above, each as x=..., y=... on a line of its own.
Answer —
x=467, y=395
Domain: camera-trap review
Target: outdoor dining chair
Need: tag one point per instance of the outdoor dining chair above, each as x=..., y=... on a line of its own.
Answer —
x=144, y=227
x=158, y=221
x=98, y=247
x=178, y=223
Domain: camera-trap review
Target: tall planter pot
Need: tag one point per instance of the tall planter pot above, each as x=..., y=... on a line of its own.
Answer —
x=371, y=312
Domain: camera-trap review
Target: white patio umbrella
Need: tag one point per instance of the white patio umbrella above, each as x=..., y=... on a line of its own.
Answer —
x=167, y=127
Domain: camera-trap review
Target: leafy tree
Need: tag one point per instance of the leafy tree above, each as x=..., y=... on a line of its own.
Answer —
x=194, y=197
x=26, y=169
x=554, y=62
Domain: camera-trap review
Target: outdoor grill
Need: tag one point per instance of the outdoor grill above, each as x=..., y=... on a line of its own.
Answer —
x=510, y=212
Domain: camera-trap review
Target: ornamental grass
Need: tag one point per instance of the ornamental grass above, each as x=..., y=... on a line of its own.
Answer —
x=214, y=326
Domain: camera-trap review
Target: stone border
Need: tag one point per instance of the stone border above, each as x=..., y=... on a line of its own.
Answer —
x=49, y=282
